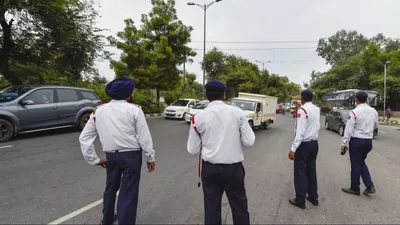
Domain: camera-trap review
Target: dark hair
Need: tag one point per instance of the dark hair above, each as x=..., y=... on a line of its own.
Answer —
x=307, y=95
x=361, y=96
x=214, y=96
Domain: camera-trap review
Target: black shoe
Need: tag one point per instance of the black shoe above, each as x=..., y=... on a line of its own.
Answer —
x=350, y=191
x=313, y=201
x=300, y=205
x=369, y=191
x=115, y=219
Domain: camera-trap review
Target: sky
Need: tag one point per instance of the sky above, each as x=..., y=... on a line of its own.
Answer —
x=284, y=32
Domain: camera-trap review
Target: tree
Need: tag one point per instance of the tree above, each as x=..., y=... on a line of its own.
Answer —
x=241, y=75
x=342, y=45
x=48, y=41
x=152, y=54
x=364, y=70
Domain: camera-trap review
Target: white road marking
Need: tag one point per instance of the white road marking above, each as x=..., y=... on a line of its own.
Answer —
x=7, y=146
x=77, y=212
x=383, y=132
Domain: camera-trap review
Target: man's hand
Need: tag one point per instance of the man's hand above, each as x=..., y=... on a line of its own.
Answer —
x=291, y=155
x=102, y=163
x=151, y=166
x=343, y=150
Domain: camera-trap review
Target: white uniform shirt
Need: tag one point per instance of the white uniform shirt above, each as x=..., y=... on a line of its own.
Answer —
x=120, y=126
x=308, y=125
x=361, y=123
x=224, y=131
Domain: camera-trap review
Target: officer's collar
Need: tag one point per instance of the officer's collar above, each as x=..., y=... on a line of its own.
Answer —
x=216, y=102
x=117, y=101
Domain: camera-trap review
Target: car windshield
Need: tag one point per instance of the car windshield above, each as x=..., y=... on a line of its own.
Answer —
x=13, y=92
x=180, y=102
x=344, y=113
x=244, y=104
x=201, y=105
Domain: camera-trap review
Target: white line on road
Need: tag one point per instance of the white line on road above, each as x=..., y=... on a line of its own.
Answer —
x=383, y=132
x=77, y=212
x=7, y=146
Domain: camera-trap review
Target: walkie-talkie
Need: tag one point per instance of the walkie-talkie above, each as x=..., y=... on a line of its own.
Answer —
x=344, y=150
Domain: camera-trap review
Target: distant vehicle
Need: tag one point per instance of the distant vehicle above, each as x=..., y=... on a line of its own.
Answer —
x=345, y=99
x=196, y=109
x=26, y=108
x=179, y=108
x=336, y=120
x=260, y=109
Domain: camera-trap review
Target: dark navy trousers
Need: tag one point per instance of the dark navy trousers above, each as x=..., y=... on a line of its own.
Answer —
x=305, y=171
x=228, y=178
x=358, y=150
x=123, y=174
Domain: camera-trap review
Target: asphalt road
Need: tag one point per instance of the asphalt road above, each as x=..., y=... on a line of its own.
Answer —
x=44, y=177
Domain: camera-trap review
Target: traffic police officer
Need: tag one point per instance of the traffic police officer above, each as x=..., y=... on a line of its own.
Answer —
x=124, y=134
x=304, y=152
x=218, y=134
x=358, y=135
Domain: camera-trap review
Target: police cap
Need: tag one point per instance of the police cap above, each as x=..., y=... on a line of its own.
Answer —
x=120, y=88
x=307, y=95
x=361, y=96
x=215, y=86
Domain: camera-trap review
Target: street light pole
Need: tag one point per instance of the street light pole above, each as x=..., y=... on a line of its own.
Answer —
x=263, y=63
x=204, y=7
x=384, y=90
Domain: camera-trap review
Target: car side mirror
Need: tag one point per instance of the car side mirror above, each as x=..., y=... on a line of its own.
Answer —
x=190, y=106
x=26, y=102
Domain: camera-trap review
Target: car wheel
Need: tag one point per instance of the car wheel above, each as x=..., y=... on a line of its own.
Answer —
x=183, y=116
x=6, y=130
x=341, y=130
x=326, y=125
x=83, y=120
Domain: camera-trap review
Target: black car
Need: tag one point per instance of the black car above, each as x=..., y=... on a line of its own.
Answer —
x=336, y=120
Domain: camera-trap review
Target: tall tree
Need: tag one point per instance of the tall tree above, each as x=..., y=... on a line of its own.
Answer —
x=152, y=54
x=342, y=45
x=48, y=41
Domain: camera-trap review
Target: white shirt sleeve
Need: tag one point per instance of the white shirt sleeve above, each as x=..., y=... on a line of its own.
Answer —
x=144, y=136
x=300, y=130
x=86, y=139
x=247, y=136
x=350, y=125
x=194, y=140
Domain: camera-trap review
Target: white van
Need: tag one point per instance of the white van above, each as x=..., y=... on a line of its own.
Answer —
x=179, y=108
x=260, y=109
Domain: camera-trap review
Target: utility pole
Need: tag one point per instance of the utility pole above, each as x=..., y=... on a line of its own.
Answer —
x=204, y=7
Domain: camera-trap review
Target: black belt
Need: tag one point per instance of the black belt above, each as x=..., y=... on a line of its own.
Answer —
x=306, y=141
x=221, y=164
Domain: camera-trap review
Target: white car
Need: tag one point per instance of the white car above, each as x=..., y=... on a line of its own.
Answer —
x=196, y=109
x=179, y=108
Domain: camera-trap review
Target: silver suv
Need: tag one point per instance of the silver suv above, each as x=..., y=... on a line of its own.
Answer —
x=26, y=109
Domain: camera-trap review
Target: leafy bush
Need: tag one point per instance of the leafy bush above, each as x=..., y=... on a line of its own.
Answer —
x=170, y=96
x=144, y=99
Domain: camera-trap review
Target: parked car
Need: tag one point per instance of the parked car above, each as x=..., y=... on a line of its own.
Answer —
x=179, y=108
x=26, y=109
x=336, y=120
x=196, y=109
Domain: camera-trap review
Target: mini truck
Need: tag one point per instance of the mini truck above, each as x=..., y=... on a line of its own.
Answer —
x=260, y=109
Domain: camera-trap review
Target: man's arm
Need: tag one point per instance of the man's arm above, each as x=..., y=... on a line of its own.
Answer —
x=86, y=139
x=300, y=130
x=247, y=136
x=144, y=136
x=194, y=140
x=350, y=125
x=376, y=119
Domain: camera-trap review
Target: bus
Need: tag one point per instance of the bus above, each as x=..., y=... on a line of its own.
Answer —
x=345, y=99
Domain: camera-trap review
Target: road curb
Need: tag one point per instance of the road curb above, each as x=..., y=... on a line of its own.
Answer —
x=153, y=114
